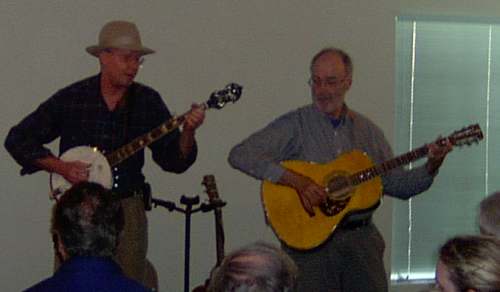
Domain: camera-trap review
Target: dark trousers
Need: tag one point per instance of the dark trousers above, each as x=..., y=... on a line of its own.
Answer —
x=351, y=260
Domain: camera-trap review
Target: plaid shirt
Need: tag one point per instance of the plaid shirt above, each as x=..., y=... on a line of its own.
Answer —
x=79, y=116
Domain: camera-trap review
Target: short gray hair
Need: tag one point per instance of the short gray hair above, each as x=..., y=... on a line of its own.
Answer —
x=88, y=220
x=472, y=262
x=256, y=267
x=489, y=215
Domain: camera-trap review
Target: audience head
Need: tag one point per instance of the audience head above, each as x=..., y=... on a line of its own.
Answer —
x=489, y=215
x=257, y=267
x=87, y=221
x=469, y=264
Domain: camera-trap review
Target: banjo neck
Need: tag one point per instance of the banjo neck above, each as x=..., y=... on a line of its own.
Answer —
x=141, y=142
x=101, y=165
x=218, y=99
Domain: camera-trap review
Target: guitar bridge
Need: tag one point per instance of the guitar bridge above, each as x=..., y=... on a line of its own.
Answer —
x=333, y=207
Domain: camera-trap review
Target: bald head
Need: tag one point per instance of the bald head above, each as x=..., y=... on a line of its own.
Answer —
x=346, y=59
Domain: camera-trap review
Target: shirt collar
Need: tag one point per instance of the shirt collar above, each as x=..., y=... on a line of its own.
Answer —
x=345, y=114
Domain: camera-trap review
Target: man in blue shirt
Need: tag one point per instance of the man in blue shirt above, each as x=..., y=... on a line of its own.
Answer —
x=351, y=259
x=87, y=222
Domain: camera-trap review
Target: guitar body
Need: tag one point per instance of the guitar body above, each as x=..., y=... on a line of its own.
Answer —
x=293, y=225
x=352, y=183
x=99, y=170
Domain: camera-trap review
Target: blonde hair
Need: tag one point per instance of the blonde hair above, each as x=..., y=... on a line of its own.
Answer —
x=489, y=215
x=473, y=262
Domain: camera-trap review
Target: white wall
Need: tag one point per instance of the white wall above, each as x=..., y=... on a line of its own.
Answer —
x=201, y=45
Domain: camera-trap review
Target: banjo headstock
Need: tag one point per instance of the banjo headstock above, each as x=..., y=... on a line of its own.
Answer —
x=219, y=98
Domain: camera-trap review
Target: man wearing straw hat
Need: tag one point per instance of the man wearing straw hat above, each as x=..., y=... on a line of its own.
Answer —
x=107, y=111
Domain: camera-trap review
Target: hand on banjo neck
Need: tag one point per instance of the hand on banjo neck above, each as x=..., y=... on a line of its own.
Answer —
x=88, y=163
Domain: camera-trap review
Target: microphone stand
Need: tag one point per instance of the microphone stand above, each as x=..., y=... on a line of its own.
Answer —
x=189, y=202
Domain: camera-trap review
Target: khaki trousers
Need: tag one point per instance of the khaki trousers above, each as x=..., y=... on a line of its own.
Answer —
x=133, y=242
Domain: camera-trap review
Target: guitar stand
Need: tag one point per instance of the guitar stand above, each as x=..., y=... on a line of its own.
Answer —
x=189, y=202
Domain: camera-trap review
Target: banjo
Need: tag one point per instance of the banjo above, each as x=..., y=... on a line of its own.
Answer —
x=101, y=165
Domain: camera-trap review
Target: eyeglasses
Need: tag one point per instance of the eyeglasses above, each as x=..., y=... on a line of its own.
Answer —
x=328, y=82
x=127, y=57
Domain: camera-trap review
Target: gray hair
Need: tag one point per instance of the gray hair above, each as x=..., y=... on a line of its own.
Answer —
x=346, y=59
x=256, y=267
x=472, y=262
x=489, y=215
x=88, y=220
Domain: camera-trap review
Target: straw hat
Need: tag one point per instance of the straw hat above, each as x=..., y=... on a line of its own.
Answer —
x=120, y=35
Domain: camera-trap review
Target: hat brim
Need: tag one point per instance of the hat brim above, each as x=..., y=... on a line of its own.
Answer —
x=96, y=50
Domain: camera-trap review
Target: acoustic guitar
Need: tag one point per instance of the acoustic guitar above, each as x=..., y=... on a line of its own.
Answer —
x=352, y=183
x=214, y=199
x=100, y=170
x=217, y=203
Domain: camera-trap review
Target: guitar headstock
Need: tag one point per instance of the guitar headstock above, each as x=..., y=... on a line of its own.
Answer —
x=210, y=187
x=466, y=136
x=219, y=98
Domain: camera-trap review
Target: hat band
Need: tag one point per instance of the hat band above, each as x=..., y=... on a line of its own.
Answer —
x=125, y=42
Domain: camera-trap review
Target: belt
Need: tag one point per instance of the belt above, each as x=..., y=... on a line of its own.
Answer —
x=355, y=224
x=137, y=192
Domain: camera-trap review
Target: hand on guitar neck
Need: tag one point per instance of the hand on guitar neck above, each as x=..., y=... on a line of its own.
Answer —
x=192, y=121
x=194, y=118
x=437, y=153
x=310, y=193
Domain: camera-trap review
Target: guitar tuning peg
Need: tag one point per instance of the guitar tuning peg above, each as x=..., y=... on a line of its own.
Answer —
x=235, y=90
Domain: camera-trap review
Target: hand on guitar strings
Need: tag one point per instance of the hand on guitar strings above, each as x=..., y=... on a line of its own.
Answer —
x=194, y=118
x=75, y=171
x=310, y=193
x=437, y=154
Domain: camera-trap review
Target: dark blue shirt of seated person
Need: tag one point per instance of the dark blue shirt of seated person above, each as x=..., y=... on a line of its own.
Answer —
x=96, y=274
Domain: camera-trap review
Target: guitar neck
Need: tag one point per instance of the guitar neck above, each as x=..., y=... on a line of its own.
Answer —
x=388, y=165
x=219, y=236
x=217, y=203
x=404, y=159
x=141, y=142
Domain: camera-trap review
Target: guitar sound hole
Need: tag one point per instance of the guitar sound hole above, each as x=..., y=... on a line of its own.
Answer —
x=339, y=187
x=333, y=207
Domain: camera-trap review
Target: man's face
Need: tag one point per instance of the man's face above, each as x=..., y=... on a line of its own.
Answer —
x=120, y=66
x=329, y=83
